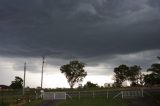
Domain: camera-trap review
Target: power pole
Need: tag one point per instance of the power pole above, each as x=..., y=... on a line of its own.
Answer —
x=24, y=78
x=42, y=73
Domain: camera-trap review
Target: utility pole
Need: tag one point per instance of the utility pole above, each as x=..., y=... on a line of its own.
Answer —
x=42, y=73
x=24, y=78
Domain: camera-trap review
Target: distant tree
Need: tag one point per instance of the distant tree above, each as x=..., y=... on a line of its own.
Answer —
x=133, y=75
x=154, y=77
x=120, y=74
x=90, y=85
x=155, y=68
x=38, y=87
x=149, y=79
x=74, y=72
x=17, y=84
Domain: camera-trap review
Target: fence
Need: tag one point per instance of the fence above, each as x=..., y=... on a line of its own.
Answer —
x=92, y=94
x=8, y=97
x=130, y=94
x=106, y=94
x=54, y=96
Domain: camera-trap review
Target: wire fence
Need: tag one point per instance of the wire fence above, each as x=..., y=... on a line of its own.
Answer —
x=111, y=94
x=16, y=97
x=121, y=93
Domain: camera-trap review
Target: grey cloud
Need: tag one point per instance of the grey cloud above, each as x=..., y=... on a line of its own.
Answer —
x=81, y=28
x=105, y=66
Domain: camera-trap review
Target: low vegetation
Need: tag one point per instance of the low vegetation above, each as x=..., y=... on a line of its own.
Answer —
x=93, y=102
x=33, y=103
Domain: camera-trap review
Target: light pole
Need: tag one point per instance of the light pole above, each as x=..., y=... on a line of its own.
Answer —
x=42, y=73
x=24, y=78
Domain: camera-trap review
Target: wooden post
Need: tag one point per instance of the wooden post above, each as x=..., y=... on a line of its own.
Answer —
x=24, y=79
x=122, y=94
x=107, y=94
x=79, y=95
x=142, y=92
x=93, y=95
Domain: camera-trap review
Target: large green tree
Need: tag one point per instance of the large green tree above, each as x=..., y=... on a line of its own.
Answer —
x=17, y=84
x=124, y=72
x=134, y=75
x=154, y=77
x=74, y=72
x=90, y=85
x=120, y=74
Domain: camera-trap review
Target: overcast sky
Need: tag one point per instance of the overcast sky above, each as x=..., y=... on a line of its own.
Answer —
x=101, y=33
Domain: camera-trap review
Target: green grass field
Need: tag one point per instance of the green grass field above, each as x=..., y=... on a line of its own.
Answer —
x=93, y=102
x=33, y=103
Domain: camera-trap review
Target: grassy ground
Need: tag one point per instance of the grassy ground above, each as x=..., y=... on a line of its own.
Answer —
x=93, y=102
x=33, y=103
x=10, y=97
x=153, y=95
x=7, y=100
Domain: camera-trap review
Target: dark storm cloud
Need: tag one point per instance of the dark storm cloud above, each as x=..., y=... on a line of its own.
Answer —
x=78, y=28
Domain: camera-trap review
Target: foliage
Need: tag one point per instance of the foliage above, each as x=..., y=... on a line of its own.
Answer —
x=124, y=72
x=154, y=77
x=91, y=85
x=17, y=84
x=134, y=75
x=120, y=74
x=74, y=72
x=155, y=68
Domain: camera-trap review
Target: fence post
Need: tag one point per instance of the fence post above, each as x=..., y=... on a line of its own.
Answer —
x=17, y=101
x=79, y=95
x=142, y=92
x=107, y=94
x=122, y=94
x=54, y=96
x=1, y=90
x=93, y=95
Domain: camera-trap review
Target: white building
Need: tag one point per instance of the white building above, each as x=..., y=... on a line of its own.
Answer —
x=124, y=84
x=106, y=85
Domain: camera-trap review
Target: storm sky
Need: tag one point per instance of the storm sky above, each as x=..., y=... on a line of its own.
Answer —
x=101, y=33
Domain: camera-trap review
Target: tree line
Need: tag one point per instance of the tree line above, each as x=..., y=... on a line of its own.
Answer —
x=75, y=72
x=135, y=76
